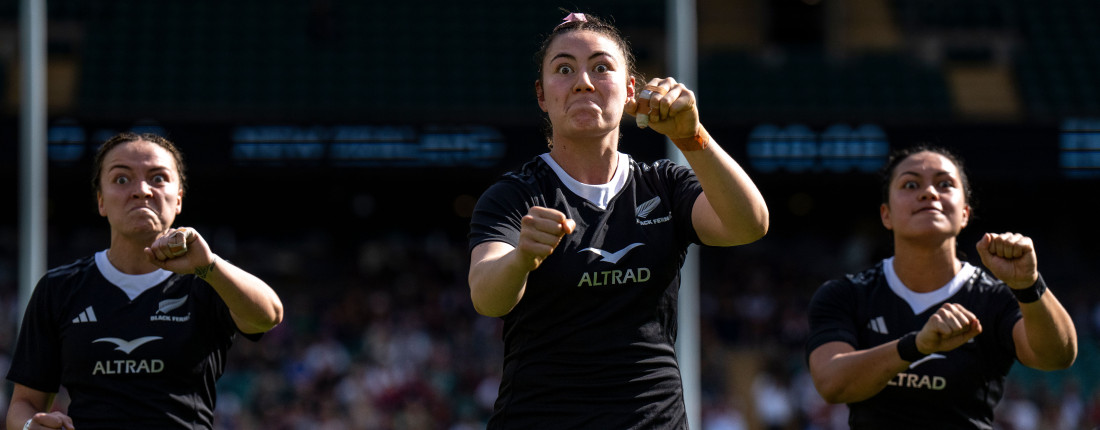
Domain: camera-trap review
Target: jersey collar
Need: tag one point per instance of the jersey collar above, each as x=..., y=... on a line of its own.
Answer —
x=601, y=194
x=132, y=285
x=921, y=302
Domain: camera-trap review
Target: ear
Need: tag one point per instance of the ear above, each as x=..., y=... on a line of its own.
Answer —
x=540, y=95
x=179, y=201
x=630, y=88
x=884, y=213
x=966, y=216
x=99, y=202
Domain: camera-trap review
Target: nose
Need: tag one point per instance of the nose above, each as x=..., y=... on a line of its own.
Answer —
x=929, y=193
x=142, y=189
x=583, y=84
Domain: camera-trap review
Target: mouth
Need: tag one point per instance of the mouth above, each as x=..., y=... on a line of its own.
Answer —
x=928, y=209
x=584, y=110
x=586, y=104
x=143, y=208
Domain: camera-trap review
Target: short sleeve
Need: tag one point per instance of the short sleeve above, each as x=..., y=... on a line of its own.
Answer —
x=685, y=191
x=36, y=361
x=498, y=213
x=832, y=315
x=1008, y=314
x=222, y=325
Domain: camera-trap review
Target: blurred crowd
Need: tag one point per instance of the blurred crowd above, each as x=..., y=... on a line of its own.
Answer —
x=392, y=341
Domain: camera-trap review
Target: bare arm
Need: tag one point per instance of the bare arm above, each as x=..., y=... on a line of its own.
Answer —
x=497, y=278
x=842, y=374
x=731, y=210
x=30, y=404
x=1046, y=338
x=253, y=304
x=498, y=271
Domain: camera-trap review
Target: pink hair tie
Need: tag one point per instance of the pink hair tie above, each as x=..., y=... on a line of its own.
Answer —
x=572, y=17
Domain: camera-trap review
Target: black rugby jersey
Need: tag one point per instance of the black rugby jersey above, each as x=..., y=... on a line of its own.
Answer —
x=956, y=389
x=150, y=362
x=592, y=342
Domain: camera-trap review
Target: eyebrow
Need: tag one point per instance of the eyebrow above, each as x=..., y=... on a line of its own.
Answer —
x=119, y=166
x=571, y=57
x=157, y=169
x=937, y=173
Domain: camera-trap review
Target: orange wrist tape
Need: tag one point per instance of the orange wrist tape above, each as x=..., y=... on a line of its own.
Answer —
x=697, y=142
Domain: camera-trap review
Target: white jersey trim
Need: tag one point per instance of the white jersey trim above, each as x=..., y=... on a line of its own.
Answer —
x=132, y=285
x=601, y=194
x=920, y=302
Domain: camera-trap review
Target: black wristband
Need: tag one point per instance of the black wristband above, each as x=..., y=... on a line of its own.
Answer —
x=1031, y=294
x=907, y=348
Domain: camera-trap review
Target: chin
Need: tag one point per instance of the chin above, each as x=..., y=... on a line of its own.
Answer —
x=593, y=128
x=927, y=234
x=143, y=230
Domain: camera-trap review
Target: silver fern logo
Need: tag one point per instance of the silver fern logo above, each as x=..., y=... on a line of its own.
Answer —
x=644, y=209
x=169, y=305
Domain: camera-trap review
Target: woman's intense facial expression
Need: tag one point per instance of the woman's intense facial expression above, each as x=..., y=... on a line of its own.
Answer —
x=584, y=85
x=926, y=198
x=140, y=191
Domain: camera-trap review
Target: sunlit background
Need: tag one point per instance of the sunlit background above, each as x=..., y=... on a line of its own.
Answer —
x=336, y=149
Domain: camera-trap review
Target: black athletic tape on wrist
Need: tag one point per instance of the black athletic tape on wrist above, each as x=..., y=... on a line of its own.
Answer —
x=1031, y=294
x=907, y=348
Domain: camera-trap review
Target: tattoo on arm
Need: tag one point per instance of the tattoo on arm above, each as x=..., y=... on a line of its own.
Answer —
x=203, y=271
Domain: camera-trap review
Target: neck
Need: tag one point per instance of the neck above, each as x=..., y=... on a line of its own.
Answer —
x=924, y=269
x=129, y=256
x=590, y=161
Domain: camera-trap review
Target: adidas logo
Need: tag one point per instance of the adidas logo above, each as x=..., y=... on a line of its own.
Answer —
x=878, y=325
x=87, y=316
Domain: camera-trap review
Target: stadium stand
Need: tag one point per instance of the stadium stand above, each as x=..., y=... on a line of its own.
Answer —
x=379, y=330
